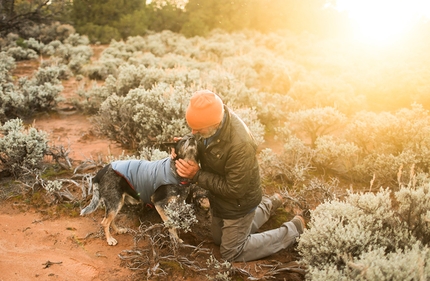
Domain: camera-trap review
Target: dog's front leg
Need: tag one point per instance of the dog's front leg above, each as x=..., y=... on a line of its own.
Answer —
x=173, y=231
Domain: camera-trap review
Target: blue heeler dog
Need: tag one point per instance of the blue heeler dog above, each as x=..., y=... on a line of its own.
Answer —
x=137, y=181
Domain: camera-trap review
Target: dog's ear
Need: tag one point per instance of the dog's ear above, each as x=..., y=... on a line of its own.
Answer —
x=167, y=146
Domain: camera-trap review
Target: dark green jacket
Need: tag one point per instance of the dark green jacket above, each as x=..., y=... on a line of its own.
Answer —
x=229, y=170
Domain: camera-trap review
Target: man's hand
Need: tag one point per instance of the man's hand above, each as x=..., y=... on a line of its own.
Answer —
x=172, y=151
x=186, y=169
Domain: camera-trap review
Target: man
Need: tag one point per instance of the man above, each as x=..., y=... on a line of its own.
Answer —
x=229, y=171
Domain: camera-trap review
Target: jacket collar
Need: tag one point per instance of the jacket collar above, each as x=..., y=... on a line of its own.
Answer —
x=224, y=132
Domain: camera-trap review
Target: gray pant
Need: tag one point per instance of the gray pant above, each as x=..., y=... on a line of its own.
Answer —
x=239, y=242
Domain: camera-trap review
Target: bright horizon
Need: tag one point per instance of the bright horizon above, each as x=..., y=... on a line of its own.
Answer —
x=382, y=22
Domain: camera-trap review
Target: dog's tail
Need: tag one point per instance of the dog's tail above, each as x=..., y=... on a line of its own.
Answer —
x=94, y=201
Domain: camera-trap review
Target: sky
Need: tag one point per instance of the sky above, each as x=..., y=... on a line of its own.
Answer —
x=384, y=21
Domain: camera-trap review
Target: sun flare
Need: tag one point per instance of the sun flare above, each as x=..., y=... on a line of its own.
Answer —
x=384, y=21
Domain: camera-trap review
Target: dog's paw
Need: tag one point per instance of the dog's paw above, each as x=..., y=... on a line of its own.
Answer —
x=112, y=241
x=121, y=230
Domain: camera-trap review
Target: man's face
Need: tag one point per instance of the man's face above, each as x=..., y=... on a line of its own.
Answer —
x=206, y=132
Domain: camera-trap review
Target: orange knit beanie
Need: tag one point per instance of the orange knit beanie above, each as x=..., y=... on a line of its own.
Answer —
x=205, y=110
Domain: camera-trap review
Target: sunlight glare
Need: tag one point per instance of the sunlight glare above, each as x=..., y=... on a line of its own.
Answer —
x=383, y=21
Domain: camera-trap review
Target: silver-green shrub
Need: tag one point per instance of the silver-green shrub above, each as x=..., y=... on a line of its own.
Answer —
x=7, y=64
x=390, y=141
x=21, y=149
x=293, y=165
x=19, y=53
x=408, y=264
x=28, y=95
x=250, y=118
x=40, y=92
x=144, y=117
x=74, y=52
x=47, y=33
x=369, y=236
x=33, y=44
x=19, y=49
x=335, y=154
x=414, y=208
x=316, y=122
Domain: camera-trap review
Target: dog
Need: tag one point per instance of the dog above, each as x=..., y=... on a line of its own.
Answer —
x=135, y=181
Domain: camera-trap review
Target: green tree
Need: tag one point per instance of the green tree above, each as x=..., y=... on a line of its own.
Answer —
x=313, y=16
x=165, y=16
x=104, y=20
x=19, y=16
x=210, y=14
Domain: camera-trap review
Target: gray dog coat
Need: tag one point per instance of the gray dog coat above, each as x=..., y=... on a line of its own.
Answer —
x=146, y=176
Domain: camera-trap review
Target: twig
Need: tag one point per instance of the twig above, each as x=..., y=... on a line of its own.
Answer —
x=49, y=263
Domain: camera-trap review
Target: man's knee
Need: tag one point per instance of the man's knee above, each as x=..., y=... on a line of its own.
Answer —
x=230, y=254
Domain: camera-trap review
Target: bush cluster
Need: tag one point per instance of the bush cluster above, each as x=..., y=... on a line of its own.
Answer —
x=28, y=95
x=21, y=150
x=370, y=236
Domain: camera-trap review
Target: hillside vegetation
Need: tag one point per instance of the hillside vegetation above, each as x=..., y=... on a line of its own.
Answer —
x=353, y=122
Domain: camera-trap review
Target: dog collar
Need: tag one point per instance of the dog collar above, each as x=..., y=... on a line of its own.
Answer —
x=184, y=183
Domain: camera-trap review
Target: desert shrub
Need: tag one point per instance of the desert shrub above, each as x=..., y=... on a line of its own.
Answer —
x=313, y=89
x=18, y=48
x=376, y=264
x=414, y=208
x=293, y=165
x=367, y=229
x=41, y=92
x=9, y=41
x=102, y=68
x=29, y=95
x=165, y=42
x=316, y=122
x=75, y=52
x=47, y=33
x=76, y=40
x=257, y=66
x=335, y=154
x=390, y=133
x=21, y=149
x=7, y=64
x=250, y=118
x=174, y=77
x=91, y=99
x=19, y=53
x=181, y=216
x=144, y=117
x=272, y=108
x=118, y=49
x=242, y=68
x=33, y=44
x=389, y=141
x=130, y=77
x=383, y=169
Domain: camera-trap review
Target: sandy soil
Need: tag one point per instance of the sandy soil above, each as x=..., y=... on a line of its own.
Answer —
x=36, y=248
